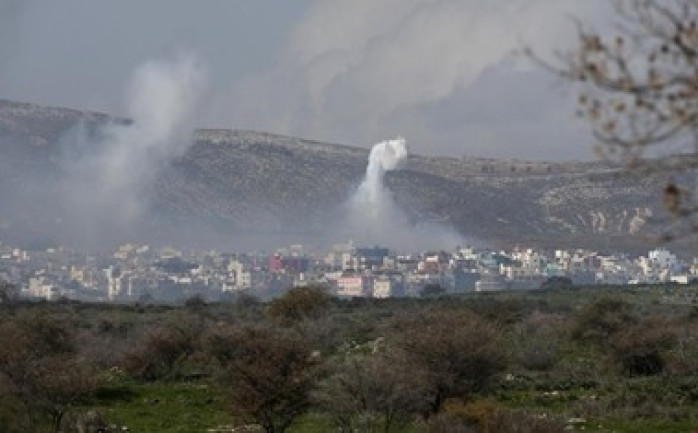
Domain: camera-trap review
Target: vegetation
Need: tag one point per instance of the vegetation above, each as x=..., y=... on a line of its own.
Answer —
x=617, y=359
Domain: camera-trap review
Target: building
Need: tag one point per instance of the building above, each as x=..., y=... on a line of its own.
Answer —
x=354, y=286
x=383, y=288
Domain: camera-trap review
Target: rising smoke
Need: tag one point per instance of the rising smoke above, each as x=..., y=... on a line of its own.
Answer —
x=108, y=175
x=375, y=218
x=372, y=202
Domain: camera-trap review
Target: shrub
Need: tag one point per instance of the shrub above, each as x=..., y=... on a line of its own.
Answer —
x=537, y=341
x=195, y=301
x=268, y=375
x=374, y=391
x=40, y=366
x=638, y=348
x=460, y=352
x=300, y=303
x=432, y=290
x=599, y=320
x=488, y=417
x=162, y=352
x=556, y=283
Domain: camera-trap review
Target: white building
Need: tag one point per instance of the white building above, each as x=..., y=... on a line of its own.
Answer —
x=40, y=287
x=662, y=258
x=383, y=288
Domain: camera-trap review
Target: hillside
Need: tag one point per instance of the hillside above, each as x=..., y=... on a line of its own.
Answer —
x=260, y=182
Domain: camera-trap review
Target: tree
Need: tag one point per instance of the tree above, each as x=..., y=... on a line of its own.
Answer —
x=300, y=303
x=41, y=367
x=373, y=392
x=8, y=293
x=556, y=283
x=639, y=93
x=163, y=351
x=640, y=348
x=268, y=375
x=432, y=291
x=459, y=352
x=598, y=321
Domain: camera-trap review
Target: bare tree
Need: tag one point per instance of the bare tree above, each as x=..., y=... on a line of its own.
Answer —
x=639, y=93
x=41, y=366
x=371, y=392
x=268, y=375
x=163, y=350
x=459, y=352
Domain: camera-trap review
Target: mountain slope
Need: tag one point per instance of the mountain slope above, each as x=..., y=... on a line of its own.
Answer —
x=259, y=182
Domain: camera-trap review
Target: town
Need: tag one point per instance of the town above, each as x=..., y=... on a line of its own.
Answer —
x=141, y=273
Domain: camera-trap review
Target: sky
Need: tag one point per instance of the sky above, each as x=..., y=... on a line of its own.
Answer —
x=445, y=74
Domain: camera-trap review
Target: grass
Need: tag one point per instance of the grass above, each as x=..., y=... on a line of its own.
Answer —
x=163, y=407
x=172, y=407
x=643, y=426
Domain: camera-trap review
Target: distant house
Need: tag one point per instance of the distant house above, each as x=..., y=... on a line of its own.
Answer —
x=354, y=286
x=383, y=288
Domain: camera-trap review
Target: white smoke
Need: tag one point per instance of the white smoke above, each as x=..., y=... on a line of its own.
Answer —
x=375, y=218
x=108, y=178
x=372, y=202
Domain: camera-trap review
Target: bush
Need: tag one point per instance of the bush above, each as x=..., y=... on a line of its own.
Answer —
x=557, y=283
x=268, y=375
x=488, y=417
x=638, y=348
x=460, y=352
x=371, y=392
x=537, y=341
x=432, y=290
x=41, y=367
x=162, y=352
x=300, y=303
x=195, y=301
x=599, y=320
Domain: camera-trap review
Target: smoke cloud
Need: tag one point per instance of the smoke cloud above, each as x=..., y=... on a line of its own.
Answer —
x=373, y=217
x=108, y=174
x=355, y=71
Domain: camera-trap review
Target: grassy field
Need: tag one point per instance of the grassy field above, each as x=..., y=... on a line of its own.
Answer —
x=566, y=363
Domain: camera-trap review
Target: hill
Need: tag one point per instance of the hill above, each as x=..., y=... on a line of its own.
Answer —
x=258, y=182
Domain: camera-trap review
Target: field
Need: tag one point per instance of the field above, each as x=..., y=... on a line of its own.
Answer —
x=605, y=359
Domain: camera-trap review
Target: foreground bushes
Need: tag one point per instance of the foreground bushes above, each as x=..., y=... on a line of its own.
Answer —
x=42, y=371
x=163, y=351
x=437, y=365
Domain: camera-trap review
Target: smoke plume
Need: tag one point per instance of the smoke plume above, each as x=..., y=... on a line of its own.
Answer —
x=108, y=174
x=372, y=203
x=375, y=218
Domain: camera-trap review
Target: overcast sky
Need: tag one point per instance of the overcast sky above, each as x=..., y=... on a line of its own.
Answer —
x=442, y=73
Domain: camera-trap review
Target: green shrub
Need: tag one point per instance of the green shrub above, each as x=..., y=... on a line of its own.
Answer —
x=300, y=303
x=601, y=319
